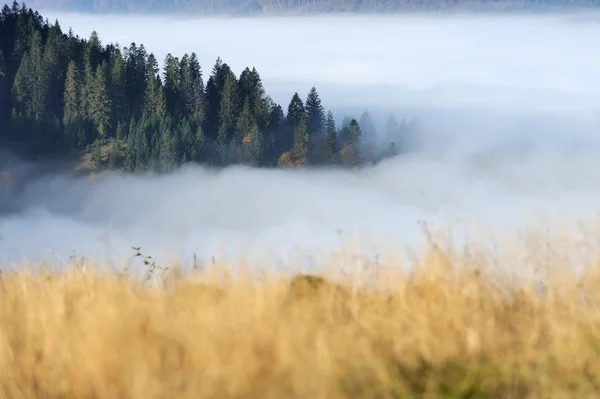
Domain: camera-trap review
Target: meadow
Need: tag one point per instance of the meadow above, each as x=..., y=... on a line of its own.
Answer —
x=452, y=324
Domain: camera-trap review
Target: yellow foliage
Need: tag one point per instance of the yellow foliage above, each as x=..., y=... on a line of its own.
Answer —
x=286, y=160
x=457, y=325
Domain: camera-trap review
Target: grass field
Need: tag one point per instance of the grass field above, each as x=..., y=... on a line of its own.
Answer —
x=453, y=325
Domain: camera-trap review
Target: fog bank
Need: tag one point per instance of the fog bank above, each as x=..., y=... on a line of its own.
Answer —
x=508, y=108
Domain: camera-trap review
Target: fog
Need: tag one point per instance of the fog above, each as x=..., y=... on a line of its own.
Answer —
x=508, y=109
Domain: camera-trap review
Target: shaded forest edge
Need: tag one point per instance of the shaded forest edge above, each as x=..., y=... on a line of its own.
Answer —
x=65, y=97
x=270, y=7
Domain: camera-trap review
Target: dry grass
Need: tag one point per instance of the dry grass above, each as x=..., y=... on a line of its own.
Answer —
x=453, y=327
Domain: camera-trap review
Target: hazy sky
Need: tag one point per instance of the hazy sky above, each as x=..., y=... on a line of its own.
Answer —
x=509, y=108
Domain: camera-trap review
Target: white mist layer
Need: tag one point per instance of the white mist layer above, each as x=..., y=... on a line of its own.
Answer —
x=508, y=108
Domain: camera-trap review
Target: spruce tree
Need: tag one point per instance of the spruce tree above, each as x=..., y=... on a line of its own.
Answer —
x=227, y=116
x=71, y=95
x=253, y=146
x=295, y=110
x=114, y=155
x=332, y=142
x=300, y=149
x=245, y=121
x=354, y=132
x=315, y=113
x=118, y=89
x=366, y=125
x=99, y=103
x=172, y=83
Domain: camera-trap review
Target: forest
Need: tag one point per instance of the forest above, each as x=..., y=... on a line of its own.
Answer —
x=61, y=95
x=279, y=6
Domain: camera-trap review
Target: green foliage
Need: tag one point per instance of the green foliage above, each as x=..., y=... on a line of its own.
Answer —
x=153, y=268
x=96, y=155
x=333, y=151
x=60, y=92
x=315, y=113
x=114, y=155
x=301, y=141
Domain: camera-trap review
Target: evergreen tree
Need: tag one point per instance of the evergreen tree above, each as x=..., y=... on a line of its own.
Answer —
x=253, y=146
x=354, y=133
x=245, y=121
x=295, y=110
x=99, y=103
x=350, y=153
x=194, y=93
x=392, y=152
x=130, y=161
x=154, y=97
x=315, y=113
x=366, y=125
x=332, y=142
x=168, y=150
x=71, y=95
x=96, y=155
x=300, y=149
x=59, y=91
x=227, y=116
x=172, y=83
x=114, y=155
x=118, y=89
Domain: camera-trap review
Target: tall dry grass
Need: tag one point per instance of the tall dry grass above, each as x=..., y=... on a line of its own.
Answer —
x=452, y=325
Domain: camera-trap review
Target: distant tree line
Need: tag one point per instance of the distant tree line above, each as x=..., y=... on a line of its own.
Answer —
x=60, y=93
x=279, y=6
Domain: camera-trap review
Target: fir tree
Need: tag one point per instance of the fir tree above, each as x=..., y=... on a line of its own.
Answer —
x=99, y=103
x=315, y=113
x=295, y=110
x=332, y=142
x=227, y=113
x=300, y=149
x=118, y=89
x=71, y=95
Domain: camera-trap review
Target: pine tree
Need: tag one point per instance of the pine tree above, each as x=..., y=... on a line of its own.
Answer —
x=96, y=155
x=295, y=110
x=300, y=149
x=114, y=155
x=121, y=131
x=245, y=121
x=142, y=147
x=351, y=152
x=227, y=113
x=118, y=89
x=354, y=132
x=172, y=83
x=195, y=87
x=315, y=113
x=154, y=97
x=332, y=142
x=392, y=152
x=30, y=86
x=71, y=95
x=168, y=150
x=253, y=146
x=367, y=126
x=100, y=107
x=129, y=163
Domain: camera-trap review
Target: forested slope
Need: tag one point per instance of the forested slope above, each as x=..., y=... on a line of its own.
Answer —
x=60, y=94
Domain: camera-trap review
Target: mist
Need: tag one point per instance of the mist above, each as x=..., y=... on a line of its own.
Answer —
x=508, y=108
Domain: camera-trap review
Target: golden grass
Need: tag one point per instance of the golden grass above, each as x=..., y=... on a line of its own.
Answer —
x=453, y=327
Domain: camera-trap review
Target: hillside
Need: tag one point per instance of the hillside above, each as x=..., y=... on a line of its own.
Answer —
x=279, y=6
x=62, y=95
